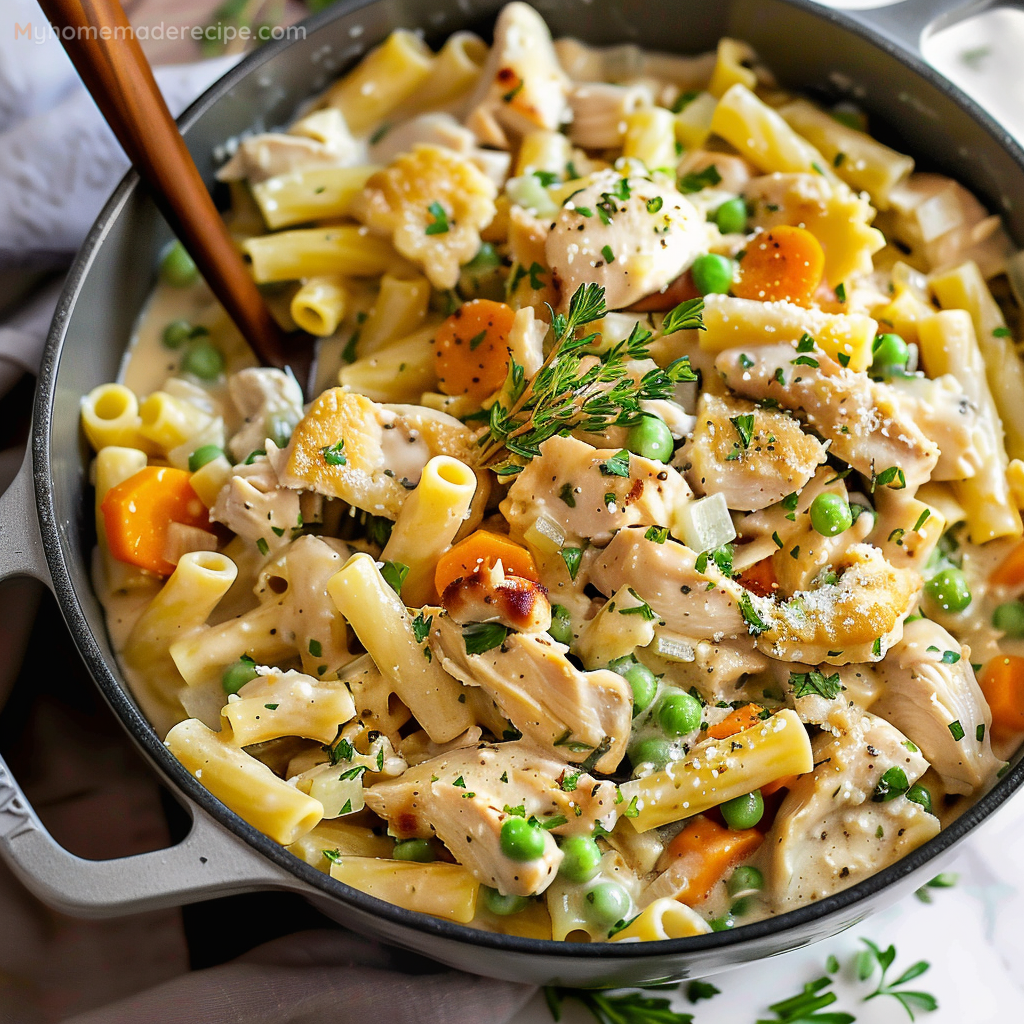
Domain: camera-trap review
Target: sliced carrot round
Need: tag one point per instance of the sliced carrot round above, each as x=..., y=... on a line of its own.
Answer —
x=759, y=578
x=483, y=550
x=785, y=263
x=471, y=349
x=139, y=510
x=745, y=717
x=1002, y=682
x=1010, y=572
x=709, y=851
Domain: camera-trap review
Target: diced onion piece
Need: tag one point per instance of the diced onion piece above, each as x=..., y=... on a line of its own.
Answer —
x=545, y=535
x=181, y=539
x=706, y=523
x=672, y=647
x=531, y=195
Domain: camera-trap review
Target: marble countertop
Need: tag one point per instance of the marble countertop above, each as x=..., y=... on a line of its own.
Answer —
x=973, y=933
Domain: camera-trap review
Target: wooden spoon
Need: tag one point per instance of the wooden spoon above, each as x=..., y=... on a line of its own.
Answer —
x=107, y=56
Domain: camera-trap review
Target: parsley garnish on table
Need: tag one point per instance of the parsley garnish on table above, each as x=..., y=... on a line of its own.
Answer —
x=608, y=1008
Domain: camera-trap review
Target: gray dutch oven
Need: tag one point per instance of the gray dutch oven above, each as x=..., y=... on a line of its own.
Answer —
x=46, y=516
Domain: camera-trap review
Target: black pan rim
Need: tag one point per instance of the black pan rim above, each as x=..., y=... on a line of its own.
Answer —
x=819, y=912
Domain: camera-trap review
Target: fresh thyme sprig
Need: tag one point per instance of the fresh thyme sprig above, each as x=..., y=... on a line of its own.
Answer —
x=574, y=389
x=628, y=1008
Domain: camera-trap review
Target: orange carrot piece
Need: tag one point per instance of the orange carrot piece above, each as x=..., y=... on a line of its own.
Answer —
x=1010, y=572
x=709, y=850
x=785, y=782
x=483, y=549
x=742, y=718
x=760, y=578
x=1002, y=682
x=471, y=349
x=785, y=263
x=138, y=511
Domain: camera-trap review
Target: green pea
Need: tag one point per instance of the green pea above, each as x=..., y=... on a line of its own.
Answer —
x=201, y=456
x=503, y=906
x=607, y=903
x=830, y=514
x=744, y=880
x=712, y=274
x=642, y=680
x=1009, y=618
x=204, y=360
x=679, y=714
x=414, y=849
x=651, y=438
x=921, y=796
x=561, y=624
x=176, y=333
x=949, y=590
x=889, y=355
x=744, y=905
x=744, y=811
x=236, y=676
x=177, y=267
x=581, y=860
x=721, y=924
x=521, y=840
x=731, y=217
x=651, y=751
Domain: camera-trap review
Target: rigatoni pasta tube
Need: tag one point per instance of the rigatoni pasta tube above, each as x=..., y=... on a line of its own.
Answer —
x=730, y=322
x=964, y=288
x=398, y=373
x=168, y=422
x=651, y=138
x=443, y=890
x=110, y=416
x=312, y=252
x=664, y=919
x=319, y=305
x=384, y=78
x=731, y=67
x=192, y=591
x=378, y=617
x=949, y=345
x=454, y=71
x=247, y=786
x=315, y=194
x=339, y=837
x=721, y=770
x=861, y=161
x=428, y=523
x=288, y=704
x=400, y=309
x=543, y=150
x=761, y=136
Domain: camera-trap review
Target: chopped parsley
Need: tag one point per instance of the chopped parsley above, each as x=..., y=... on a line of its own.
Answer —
x=892, y=784
x=617, y=465
x=333, y=454
x=655, y=204
x=480, y=637
x=805, y=684
x=656, y=534
x=439, y=225
x=921, y=520
x=477, y=340
x=566, y=495
x=841, y=291
x=571, y=556
x=546, y=178
x=421, y=627
x=643, y=609
x=262, y=547
x=1002, y=332
x=744, y=427
x=316, y=648
x=695, y=182
x=394, y=574
x=606, y=252
x=755, y=623
x=956, y=730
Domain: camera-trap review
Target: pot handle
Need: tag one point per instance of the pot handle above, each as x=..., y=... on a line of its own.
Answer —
x=21, y=546
x=910, y=22
x=209, y=862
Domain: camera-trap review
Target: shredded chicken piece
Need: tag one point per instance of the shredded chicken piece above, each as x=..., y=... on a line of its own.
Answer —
x=466, y=795
x=868, y=423
x=830, y=833
x=754, y=456
x=648, y=235
x=522, y=86
x=270, y=404
x=929, y=687
x=578, y=716
x=255, y=506
x=567, y=484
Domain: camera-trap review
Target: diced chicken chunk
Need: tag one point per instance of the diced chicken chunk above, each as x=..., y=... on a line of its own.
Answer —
x=255, y=506
x=867, y=422
x=931, y=694
x=568, y=713
x=433, y=204
x=754, y=456
x=639, y=236
x=466, y=795
x=270, y=404
x=581, y=488
x=522, y=86
x=489, y=595
x=367, y=454
x=831, y=832
x=665, y=576
x=856, y=619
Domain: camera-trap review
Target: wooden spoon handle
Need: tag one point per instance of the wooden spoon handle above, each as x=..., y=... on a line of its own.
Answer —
x=114, y=69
